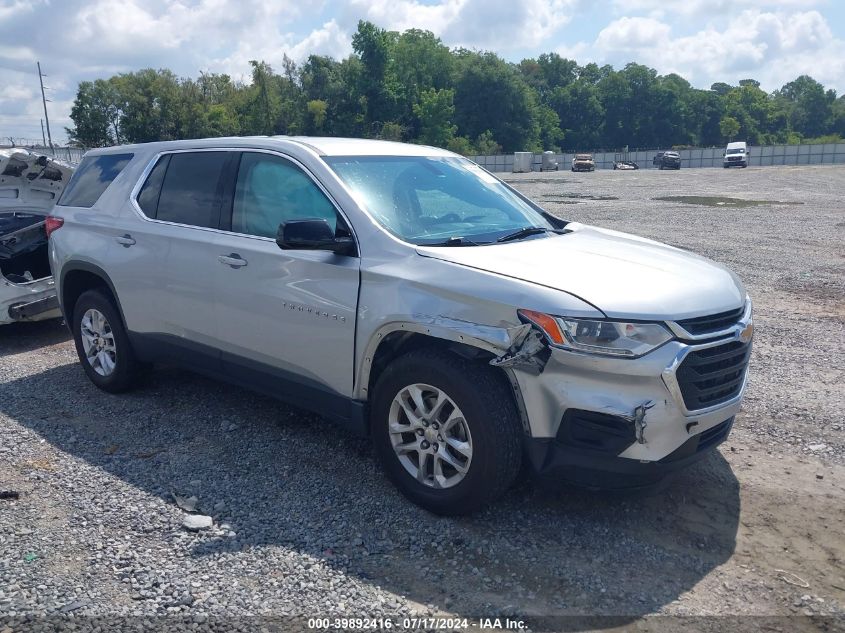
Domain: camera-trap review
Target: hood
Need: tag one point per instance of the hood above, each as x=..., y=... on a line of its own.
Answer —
x=30, y=181
x=622, y=275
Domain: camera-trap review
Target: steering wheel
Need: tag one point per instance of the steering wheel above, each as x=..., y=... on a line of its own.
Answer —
x=449, y=217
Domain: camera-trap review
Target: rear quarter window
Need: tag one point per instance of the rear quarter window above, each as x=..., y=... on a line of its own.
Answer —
x=93, y=177
x=151, y=191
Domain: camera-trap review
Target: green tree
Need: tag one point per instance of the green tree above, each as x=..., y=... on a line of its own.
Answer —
x=316, y=116
x=391, y=131
x=550, y=133
x=263, y=102
x=373, y=45
x=419, y=62
x=460, y=145
x=809, y=108
x=149, y=102
x=434, y=112
x=729, y=127
x=486, y=145
x=95, y=114
x=581, y=114
x=491, y=94
x=411, y=86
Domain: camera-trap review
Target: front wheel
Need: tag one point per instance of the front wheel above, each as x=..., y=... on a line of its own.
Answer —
x=446, y=431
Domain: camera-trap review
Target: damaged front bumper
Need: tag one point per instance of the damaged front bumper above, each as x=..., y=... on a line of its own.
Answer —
x=615, y=423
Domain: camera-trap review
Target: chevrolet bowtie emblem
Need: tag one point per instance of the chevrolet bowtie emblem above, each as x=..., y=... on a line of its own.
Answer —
x=747, y=333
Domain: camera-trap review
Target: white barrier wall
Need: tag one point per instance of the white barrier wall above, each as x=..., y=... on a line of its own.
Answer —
x=822, y=154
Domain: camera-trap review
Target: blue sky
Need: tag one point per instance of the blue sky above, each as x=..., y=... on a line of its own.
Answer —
x=705, y=41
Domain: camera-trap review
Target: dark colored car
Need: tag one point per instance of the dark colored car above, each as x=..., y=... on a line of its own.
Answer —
x=667, y=160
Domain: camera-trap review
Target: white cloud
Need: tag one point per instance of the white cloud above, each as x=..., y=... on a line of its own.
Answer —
x=773, y=47
x=704, y=7
x=633, y=34
x=329, y=40
x=400, y=15
x=703, y=40
x=498, y=25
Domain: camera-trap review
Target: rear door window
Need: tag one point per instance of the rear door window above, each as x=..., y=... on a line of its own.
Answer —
x=190, y=191
x=93, y=177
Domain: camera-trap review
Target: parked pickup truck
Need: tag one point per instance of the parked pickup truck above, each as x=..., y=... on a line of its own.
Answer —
x=410, y=295
x=30, y=184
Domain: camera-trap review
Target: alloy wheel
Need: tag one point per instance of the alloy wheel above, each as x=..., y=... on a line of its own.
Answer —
x=98, y=342
x=430, y=436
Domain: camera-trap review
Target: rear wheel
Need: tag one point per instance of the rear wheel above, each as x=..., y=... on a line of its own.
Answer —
x=102, y=344
x=446, y=431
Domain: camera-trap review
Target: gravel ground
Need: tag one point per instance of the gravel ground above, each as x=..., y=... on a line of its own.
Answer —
x=304, y=524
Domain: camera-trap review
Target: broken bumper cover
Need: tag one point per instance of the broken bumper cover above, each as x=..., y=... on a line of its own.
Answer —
x=31, y=301
x=554, y=460
x=593, y=418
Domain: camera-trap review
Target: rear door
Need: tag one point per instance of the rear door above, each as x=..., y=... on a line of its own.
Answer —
x=169, y=295
x=285, y=317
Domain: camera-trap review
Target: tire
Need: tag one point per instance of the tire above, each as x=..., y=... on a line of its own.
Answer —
x=116, y=368
x=660, y=168
x=483, y=398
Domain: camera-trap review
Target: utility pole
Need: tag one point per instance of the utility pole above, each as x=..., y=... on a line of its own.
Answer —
x=43, y=138
x=44, y=101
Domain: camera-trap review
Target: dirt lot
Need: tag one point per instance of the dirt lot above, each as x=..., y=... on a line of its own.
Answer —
x=305, y=525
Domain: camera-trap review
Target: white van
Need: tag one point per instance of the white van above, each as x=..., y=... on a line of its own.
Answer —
x=736, y=155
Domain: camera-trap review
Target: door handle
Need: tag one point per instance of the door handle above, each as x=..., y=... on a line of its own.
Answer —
x=232, y=259
x=126, y=240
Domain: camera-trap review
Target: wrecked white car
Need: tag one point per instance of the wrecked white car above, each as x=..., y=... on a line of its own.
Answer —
x=30, y=184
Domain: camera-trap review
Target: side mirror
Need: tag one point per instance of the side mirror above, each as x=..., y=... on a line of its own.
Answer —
x=312, y=234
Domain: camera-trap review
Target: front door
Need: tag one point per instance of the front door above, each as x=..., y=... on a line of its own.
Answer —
x=286, y=319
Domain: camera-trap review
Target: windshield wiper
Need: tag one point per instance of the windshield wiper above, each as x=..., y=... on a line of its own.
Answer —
x=455, y=240
x=526, y=231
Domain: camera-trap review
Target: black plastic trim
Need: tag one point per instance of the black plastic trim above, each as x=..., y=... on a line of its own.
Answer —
x=253, y=375
x=549, y=460
x=90, y=268
x=23, y=311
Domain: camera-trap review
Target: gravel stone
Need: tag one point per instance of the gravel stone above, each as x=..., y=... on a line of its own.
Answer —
x=307, y=525
x=196, y=522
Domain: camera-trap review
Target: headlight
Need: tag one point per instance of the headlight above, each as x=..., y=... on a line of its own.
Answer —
x=607, y=338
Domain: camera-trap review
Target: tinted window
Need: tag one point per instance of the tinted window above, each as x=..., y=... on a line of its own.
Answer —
x=189, y=194
x=271, y=190
x=148, y=197
x=94, y=175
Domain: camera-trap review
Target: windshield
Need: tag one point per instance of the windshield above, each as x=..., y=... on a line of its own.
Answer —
x=736, y=150
x=428, y=200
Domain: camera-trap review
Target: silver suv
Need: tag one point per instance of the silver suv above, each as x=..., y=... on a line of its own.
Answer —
x=409, y=295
